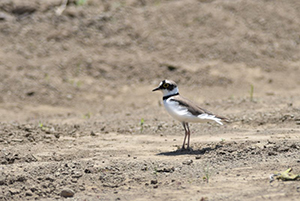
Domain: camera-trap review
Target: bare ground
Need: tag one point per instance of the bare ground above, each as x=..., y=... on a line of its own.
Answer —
x=75, y=87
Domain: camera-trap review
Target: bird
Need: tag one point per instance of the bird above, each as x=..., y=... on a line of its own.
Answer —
x=185, y=110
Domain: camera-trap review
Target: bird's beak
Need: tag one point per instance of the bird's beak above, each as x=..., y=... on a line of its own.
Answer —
x=156, y=89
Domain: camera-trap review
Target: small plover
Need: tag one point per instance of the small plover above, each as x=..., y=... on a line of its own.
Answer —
x=184, y=110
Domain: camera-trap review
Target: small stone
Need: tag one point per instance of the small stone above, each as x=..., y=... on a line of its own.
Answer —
x=71, y=12
x=78, y=174
x=67, y=193
x=87, y=171
x=154, y=181
x=57, y=135
x=28, y=128
x=271, y=153
x=30, y=93
x=14, y=191
x=57, y=174
x=48, y=136
x=188, y=162
x=2, y=180
x=168, y=169
x=28, y=193
x=82, y=188
x=74, y=180
x=3, y=16
x=17, y=140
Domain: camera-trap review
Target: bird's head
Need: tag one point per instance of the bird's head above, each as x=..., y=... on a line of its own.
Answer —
x=167, y=87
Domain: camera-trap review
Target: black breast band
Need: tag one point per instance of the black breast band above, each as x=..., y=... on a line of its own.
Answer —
x=166, y=97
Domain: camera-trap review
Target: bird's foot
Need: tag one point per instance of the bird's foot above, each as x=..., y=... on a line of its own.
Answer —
x=188, y=149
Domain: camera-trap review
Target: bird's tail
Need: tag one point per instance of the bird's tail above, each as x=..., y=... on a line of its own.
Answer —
x=220, y=119
x=213, y=118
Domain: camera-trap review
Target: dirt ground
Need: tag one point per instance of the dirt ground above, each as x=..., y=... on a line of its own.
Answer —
x=78, y=118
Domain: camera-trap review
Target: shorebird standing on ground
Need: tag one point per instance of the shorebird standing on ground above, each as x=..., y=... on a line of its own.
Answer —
x=184, y=110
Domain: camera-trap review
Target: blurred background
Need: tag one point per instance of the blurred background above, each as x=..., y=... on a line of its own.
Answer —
x=78, y=59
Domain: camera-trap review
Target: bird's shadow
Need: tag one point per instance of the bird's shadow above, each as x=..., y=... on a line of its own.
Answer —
x=190, y=151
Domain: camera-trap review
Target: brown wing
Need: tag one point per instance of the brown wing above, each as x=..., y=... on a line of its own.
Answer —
x=191, y=107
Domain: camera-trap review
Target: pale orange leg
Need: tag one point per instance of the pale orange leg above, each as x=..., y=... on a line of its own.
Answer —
x=186, y=129
x=189, y=135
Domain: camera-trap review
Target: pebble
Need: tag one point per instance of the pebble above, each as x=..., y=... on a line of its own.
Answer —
x=188, y=162
x=67, y=193
x=78, y=174
x=17, y=140
x=28, y=193
x=3, y=16
x=169, y=169
x=88, y=171
x=14, y=191
x=154, y=181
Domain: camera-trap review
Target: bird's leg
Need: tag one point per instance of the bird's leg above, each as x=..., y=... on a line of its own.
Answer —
x=186, y=132
x=189, y=135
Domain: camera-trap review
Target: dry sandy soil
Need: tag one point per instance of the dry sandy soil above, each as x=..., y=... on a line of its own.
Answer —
x=76, y=85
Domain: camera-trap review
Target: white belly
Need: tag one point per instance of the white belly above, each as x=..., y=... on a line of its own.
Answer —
x=181, y=113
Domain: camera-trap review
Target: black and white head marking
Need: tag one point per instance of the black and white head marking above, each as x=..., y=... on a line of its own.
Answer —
x=166, y=85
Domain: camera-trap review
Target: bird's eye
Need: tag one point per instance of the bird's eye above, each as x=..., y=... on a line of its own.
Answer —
x=166, y=85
